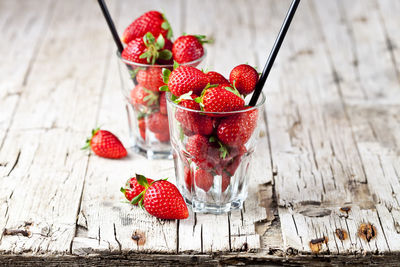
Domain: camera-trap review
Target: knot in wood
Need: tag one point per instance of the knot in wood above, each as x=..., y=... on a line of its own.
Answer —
x=367, y=231
x=316, y=244
x=341, y=234
x=139, y=237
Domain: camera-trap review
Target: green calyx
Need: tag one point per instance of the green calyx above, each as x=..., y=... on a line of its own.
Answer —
x=222, y=148
x=203, y=39
x=151, y=98
x=88, y=140
x=166, y=26
x=187, y=96
x=155, y=49
x=233, y=90
x=142, y=180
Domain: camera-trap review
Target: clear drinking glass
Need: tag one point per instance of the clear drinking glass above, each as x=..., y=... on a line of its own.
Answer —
x=146, y=106
x=211, y=180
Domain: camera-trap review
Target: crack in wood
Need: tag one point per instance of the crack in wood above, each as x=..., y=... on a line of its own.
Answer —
x=15, y=163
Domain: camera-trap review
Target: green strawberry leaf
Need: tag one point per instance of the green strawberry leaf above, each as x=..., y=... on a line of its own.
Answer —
x=176, y=65
x=146, y=54
x=212, y=139
x=160, y=42
x=140, y=204
x=142, y=180
x=173, y=97
x=149, y=39
x=123, y=190
x=136, y=199
x=166, y=73
x=133, y=72
x=232, y=90
x=198, y=99
x=166, y=26
x=164, y=88
x=223, y=149
x=202, y=39
x=165, y=54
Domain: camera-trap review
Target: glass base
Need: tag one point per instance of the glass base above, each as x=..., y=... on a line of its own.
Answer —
x=150, y=154
x=201, y=207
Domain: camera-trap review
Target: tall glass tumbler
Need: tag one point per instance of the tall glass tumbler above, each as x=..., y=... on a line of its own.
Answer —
x=212, y=166
x=146, y=107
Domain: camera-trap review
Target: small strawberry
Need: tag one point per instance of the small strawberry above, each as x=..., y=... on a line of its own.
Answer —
x=202, y=152
x=150, y=78
x=221, y=99
x=105, y=144
x=188, y=178
x=203, y=179
x=188, y=48
x=161, y=199
x=146, y=50
x=244, y=77
x=143, y=96
x=236, y=130
x=152, y=21
x=157, y=123
x=184, y=79
x=163, y=136
x=217, y=78
x=163, y=103
x=193, y=121
x=133, y=188
x=142, y=128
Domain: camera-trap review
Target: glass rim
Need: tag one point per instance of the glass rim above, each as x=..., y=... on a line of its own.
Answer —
x=260, y=103
x=162, y=66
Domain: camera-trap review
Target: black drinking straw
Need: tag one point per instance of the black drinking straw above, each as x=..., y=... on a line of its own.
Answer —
x=274, y=52
x=111, y=25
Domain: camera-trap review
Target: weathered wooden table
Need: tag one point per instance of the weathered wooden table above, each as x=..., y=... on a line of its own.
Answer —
x=325, y=186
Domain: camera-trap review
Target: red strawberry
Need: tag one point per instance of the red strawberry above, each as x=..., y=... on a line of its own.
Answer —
x=150, y=78
x=193, y=121
x=157, y=123
x=161, y=199
x=152, y=21
x=217, y=78
x=202, y=152
x=226, y=180
x=221, y=99
x=142, y=128
x=184, y=79
x=203, y=179
x=188, y=178
x=188, y=48
x=133, y=188
x=163, y=136
x=163, y=103
x=105, y=144
x=236, y=130
x=244, y=77
x=142, y=96
x=146, y=50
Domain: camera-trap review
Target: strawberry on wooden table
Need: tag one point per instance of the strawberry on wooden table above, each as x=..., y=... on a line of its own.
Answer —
x=188, y=48
x=244, y=77
x=152, y=21
x=105, y=144
x=132, y=188
x=184, y=79
x=161, y=199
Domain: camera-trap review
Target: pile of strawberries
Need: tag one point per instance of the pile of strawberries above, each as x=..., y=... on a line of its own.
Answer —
x=214, y=141
x=149, y=42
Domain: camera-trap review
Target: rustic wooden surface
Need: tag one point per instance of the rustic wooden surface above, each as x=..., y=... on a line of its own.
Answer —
x=327, y=163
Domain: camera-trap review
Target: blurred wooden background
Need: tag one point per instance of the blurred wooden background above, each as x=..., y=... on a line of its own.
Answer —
x=328, y=162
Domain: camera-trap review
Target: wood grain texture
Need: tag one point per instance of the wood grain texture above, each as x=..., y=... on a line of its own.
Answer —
x=327, y=162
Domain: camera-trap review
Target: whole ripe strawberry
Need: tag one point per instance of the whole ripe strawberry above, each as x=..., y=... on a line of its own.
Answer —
x=146, y=50
x=161, y=199
x=157, y=123
x=184, y=79
x=132, y=188
x=236, y=130
x=193, y=121
x=221, y=99
x=217, y=78
x=188, y=48
x=142, y=128
x=203, y=179
x=143, y=96
x=202, y=152
x=105, y=144
x=163, y=103
x=163, y=136
x=152, y=21
x=244, y=77
x=150, y=78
